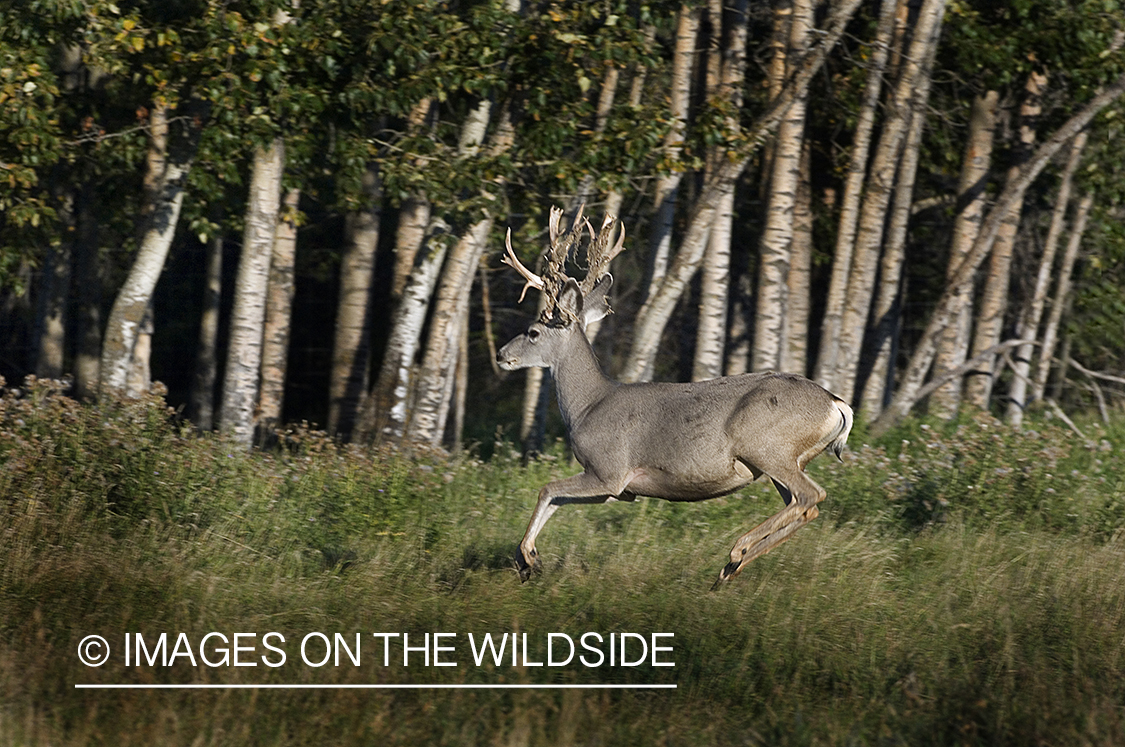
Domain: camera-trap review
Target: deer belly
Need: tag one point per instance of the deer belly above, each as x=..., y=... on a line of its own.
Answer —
x=657, y=482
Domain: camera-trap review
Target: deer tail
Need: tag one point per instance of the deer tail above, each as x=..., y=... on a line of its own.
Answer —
x=839, y=437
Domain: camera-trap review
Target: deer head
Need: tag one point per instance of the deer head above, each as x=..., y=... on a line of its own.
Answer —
x=570, y=305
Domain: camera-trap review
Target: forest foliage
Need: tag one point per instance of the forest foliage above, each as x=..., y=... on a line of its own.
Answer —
x=485, y=113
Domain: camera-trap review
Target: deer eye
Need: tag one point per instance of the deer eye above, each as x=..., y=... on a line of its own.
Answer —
x=533, y=334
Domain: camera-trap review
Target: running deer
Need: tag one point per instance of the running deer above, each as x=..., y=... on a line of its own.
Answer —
x=680, y=442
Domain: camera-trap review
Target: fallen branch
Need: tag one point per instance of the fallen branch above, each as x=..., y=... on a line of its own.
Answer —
x=1095, y=374
x=961, y=370
x=1058, y=411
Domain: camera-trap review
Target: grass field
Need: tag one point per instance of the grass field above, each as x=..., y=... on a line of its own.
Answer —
x=964, y=585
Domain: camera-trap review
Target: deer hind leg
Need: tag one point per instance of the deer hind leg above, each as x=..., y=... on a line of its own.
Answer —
x=801, y=495
x=583, y=488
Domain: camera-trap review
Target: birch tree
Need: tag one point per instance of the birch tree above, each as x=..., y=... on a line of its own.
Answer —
x=1013, y=191
x=244, y=352
x=135, y=295
x=1062, y=291
x=1029, y=321
x=877, y=196
x=667, y=185
x=383, y=414
x=654, y=314
x=279, y=307
x=202, y=403
x=776, y=244
x=826, y=360
x=715, y=281
x=994, y=301
x=351, y=347
x=889, y=295
x=953, y=343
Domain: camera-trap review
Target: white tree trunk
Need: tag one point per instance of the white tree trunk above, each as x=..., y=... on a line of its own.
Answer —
x=668, y=184
x=1062, y=290
x=775, y=248
x=879, y=189
x=426, y=424
x=953, y=345
x=887, y=301
x=795, y=341
x=654, y=314
x=139, y=380
x=825, y=371
x=1029, y=324
x=244, y=352
x=135, y=295
x=279, y=308
x=351, y=348
x=711, y=335
x=994, y=301
x=206, y=360
x=385, y=410
x=1013, y=192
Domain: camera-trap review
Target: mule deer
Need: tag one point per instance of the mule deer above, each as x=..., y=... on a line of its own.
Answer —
x=680, y=442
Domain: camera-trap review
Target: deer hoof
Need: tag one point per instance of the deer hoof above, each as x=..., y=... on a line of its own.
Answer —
x=527, y=566
x=728, y=572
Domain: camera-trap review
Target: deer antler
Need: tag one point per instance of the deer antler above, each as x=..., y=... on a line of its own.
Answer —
x=531, y=279
x=598, y=253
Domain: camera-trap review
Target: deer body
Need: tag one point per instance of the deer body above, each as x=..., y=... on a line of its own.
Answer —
x=679, y=442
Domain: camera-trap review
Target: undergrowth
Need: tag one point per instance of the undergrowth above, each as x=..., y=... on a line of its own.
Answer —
x=965, y=584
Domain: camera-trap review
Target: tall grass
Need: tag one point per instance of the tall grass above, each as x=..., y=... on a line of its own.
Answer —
x=964, y=585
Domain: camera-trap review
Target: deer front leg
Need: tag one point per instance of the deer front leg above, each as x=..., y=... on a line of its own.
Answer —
x=583, y=488
x=801, y=495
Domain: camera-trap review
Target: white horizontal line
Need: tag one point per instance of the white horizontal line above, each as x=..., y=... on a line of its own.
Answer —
x=374, y=687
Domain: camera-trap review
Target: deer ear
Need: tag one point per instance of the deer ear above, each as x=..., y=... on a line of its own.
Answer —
x=570, y=299
x=596, y=305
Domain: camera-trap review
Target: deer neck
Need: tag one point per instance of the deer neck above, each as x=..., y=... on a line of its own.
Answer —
x=579, y=380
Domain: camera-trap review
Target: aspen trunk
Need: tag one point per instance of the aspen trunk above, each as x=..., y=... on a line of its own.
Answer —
x=88, y=272
x=667, y=185
x=430, y=399
x=384, y=412
x=654, y=314
x=775, y=248
x=953, y=344
x=888, y=300
x=351, y=348
x=461, y=386
x=132, y=301
x=879, y=189
x=206, y=357
x=994, y=302
x=426, y=424
x=413, y=219
x=1029, y=324
x=1013, y=192
x=825, y=371
x=536, y=399
x=715, y=282
x=279, y=308
x=795, y=342
x=54, y=296
x=1062, y=291
x=244, y=353
x=413, y=216
x=139, y=380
